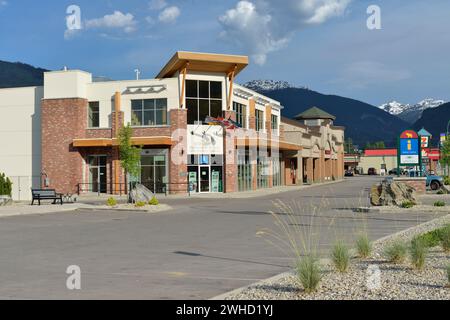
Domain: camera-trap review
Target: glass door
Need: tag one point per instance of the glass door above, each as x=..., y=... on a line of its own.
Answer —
x=97, y=174
x=204, y=179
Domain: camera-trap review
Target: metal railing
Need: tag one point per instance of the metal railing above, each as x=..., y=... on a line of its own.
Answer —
x=124, y=188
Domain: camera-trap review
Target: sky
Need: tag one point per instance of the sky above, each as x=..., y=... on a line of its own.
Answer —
x=325, y=45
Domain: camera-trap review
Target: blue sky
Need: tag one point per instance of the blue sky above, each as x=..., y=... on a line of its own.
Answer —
x=322, y=44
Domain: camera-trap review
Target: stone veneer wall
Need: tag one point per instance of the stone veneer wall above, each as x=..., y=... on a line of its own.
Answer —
x=178, y=176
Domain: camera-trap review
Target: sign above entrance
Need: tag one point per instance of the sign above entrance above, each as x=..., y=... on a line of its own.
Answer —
x=409, y=149
x=205, y=140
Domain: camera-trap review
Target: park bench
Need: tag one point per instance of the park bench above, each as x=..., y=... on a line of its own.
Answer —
x=46, y=194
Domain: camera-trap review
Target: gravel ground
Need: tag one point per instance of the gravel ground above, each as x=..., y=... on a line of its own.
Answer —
x=397, y=282
x=129, y=207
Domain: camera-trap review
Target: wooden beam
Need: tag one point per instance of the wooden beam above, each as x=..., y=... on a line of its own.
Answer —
x=231, y=78
x=183, y=84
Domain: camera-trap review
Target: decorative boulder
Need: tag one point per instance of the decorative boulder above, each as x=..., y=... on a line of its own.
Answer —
x=141, y=194
x=390, y=193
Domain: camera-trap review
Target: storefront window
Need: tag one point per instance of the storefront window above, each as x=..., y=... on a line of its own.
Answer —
x=244, y=172
x=276, y=172
x=154, y=170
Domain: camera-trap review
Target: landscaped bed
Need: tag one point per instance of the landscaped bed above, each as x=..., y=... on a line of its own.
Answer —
x=371, y=278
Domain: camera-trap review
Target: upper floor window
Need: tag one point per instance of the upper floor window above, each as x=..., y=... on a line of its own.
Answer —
x=203, y=98
x=274, y=121
x=94, y=115
x=259, y=119
x=149, y=112
x=241, y=114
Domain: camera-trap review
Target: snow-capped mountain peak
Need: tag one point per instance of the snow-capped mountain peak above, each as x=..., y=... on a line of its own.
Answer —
x=410, y=112
x=268, y=85
x=395, y=107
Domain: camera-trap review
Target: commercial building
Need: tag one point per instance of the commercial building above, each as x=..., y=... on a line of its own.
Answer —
x=64, y=135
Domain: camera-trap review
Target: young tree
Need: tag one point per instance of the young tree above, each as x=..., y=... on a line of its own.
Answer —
x=445, y=154
x=130, y=156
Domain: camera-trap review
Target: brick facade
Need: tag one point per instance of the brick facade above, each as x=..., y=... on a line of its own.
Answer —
x=178, y=154
x=63, y=120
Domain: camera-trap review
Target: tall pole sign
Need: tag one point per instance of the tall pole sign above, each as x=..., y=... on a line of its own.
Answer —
x=409, y=150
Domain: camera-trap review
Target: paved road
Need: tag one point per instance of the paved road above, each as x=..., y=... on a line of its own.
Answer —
x=202, y=248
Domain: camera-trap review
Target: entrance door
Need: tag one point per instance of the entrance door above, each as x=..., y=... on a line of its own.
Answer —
x=294, y=171
x=97, y=174
x=204, y=179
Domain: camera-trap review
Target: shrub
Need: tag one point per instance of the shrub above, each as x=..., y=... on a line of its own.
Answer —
x=407, y=204
x=5, y=185
x=309, y=273
x=436, y=237
x=447, y=180
x=439, y=204
x=445, y=238
x=396, y=252
x=440, y=192
x=111, y=202
x=140, y=204
x=153, y=201
x=448, y=275
x=363, y=246
x=340, y=256
x=418, y=252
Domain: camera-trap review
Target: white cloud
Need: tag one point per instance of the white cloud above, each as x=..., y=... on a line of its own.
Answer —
x=3, y=3
x=169, y=15
x=264, y=26
x=157, y=4
x=117, y=20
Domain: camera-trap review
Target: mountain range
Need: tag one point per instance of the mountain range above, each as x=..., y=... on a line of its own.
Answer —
x=410, y=112
x=364, y=122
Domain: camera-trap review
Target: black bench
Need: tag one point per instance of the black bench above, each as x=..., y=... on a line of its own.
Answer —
x=46, y=194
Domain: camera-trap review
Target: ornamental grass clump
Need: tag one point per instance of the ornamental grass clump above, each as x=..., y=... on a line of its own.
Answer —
x=309, y=273
x=418, y=252
x=439, y=204
x=445, y=238
x=407, y=204
x=363, y=246
x=396, y=252
x=340, y=256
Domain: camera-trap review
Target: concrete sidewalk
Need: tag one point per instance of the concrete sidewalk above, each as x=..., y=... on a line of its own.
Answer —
x=19, y=209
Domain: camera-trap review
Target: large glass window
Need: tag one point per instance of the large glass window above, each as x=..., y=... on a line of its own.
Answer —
x=241, y=114
x=203, y=98
x=274, y=122
x=149, y=112
x=94, y=115
x=154, y=172
x=259, y=119
x=244, y=171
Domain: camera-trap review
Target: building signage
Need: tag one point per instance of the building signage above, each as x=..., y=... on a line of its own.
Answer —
x=204, y=140
x=409, y=149
x=424, y=142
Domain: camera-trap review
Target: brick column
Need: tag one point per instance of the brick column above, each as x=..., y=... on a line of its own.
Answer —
x=230, y=156
x=268, y=123
x=118, y=178
x=251, y=114
x=299, y=169
x=63, y=120
x=178, y=177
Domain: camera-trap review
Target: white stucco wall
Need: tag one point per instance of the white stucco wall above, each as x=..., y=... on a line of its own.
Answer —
x=20, y=138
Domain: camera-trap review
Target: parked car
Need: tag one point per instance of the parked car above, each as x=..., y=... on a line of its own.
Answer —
x=434, y=182
x=395, y=172
x=349, y=173
x=372, y=172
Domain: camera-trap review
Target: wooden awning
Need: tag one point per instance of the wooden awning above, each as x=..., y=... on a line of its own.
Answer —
x=203, y=62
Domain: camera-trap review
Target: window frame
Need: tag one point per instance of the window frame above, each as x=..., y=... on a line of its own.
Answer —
x=154, y=108
x=259, y=120
x=241, y=114
x=90, y=112
x=274, y=124
x=197, y=99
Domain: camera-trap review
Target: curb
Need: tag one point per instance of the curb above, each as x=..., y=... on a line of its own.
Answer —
x=324, y=260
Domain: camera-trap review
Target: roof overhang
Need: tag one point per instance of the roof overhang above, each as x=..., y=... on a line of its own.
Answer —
x=137, y=141
x=203, y=62
x=257, y=142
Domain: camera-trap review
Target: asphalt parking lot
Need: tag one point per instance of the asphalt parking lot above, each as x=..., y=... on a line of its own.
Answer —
x=201, y=248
